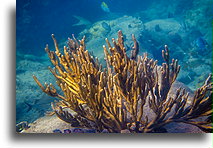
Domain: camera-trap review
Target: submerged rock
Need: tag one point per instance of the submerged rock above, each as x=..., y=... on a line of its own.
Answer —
x=31, y=103
x=108, y=28
x=166, y=25
x=47, y=124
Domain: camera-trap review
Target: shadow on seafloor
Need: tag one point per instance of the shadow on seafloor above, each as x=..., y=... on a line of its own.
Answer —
x=16, y=137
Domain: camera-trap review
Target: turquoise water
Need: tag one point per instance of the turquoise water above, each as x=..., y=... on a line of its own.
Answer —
x=184, y=25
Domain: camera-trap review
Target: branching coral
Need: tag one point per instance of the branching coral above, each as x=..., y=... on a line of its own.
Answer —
x=120, y=96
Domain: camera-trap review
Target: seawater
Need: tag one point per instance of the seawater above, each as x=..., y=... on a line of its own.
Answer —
x=184, y=25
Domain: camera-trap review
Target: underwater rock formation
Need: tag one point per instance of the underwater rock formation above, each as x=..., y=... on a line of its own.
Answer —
x=30, y=102
x=129, y=95
x=100, y=30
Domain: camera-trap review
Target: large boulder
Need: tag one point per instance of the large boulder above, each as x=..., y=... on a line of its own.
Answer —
x=95, y=35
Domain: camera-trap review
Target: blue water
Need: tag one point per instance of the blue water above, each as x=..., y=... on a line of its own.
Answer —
x=36, y=20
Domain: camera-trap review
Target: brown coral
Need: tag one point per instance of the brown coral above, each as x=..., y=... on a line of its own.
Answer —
x=114, y=98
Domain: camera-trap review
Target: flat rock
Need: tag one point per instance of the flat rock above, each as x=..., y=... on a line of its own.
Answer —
x=47, y=124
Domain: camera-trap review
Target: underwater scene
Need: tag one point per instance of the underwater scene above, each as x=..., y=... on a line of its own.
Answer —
x=114, y=66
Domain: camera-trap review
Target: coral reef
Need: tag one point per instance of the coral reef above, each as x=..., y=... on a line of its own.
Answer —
x=129, y=95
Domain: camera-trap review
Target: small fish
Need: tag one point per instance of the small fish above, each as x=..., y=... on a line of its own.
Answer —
x=105, y=7
x=81, y=21
x=29, y=106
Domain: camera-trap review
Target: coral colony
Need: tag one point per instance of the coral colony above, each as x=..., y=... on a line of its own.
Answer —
x=130, y=95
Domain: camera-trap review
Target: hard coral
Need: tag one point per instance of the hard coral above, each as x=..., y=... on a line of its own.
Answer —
x=114, y=98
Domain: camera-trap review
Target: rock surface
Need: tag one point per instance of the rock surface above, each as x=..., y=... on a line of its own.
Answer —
x=31, y=102
x=47, y=124
x=95, y=35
